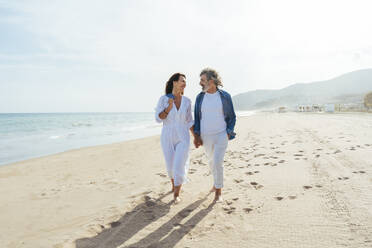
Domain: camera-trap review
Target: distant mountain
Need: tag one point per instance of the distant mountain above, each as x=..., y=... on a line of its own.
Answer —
x=348, y=88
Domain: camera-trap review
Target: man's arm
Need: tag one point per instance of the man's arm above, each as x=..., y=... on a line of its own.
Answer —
x=232, y=119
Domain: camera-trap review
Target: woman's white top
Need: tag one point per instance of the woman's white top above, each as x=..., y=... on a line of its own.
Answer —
x=179, y=121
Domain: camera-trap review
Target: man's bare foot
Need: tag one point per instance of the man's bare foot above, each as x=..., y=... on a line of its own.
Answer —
x=217, y=196
x=213, y=189
x=218, y=199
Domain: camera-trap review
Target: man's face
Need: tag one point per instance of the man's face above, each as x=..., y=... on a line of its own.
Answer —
x=204, y=82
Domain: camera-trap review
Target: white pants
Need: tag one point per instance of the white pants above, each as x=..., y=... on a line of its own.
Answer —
x=215, y=147
x=176, y=153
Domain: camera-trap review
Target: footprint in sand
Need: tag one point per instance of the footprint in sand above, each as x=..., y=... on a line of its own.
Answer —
x=279, y=198
x=229, y=210
x=247, y=210
x=238, y=180
x=281, y=161
x=274, y=164
x=256, y=171
x=249, y=173
x=161, y=174
x=292, y=197
x=337, y=151
x=307, y=187
x=257, y=165
x=318, y=186
x=342, y=178
x=192, y=171
x=317, y=156
x=259, y=155
x=256, y=185
x=298, y=155
x=279, y=152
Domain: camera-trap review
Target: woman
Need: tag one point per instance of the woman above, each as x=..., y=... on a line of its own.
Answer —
x=174, y=110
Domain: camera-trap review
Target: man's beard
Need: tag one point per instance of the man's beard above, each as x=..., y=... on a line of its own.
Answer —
x=205, y=88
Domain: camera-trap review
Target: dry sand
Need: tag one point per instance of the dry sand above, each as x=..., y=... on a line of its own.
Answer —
x=291, y=180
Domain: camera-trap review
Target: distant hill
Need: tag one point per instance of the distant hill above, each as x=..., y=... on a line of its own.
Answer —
x=347, y=88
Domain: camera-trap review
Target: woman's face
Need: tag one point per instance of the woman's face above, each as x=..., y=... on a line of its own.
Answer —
x=180, y=84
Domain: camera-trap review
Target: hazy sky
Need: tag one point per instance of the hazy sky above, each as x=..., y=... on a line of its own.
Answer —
x=116, y=55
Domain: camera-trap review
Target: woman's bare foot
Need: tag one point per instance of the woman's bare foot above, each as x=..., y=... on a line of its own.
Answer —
x=172, y=180
x=176, y=193
x=177, y=200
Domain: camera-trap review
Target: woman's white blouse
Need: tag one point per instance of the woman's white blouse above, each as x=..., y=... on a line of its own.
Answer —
x=180, y=118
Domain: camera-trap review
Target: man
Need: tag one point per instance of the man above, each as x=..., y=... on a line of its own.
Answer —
x=214, y=124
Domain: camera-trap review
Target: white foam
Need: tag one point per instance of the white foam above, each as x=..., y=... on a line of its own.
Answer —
x=245, y=113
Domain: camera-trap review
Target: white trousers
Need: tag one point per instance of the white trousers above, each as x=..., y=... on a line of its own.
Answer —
x=215, y=147
x=176, y=155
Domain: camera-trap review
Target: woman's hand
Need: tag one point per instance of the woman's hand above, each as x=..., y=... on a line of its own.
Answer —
x=170, y=106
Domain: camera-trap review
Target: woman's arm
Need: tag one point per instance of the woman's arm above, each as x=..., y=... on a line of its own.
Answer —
x=163, y=115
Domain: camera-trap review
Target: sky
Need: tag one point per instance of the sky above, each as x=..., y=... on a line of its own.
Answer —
x=116, y=55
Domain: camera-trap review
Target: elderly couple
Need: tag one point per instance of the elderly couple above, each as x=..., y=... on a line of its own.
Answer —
x=213, y=127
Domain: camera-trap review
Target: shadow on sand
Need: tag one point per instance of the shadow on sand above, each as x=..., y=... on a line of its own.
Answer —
x=167, y=235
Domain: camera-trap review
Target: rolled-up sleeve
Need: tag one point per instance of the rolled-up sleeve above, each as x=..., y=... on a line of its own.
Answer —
x=159, y=108
x=189, y=120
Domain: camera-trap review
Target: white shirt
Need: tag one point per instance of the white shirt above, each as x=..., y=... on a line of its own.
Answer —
x=178, y=122
x=212, y=117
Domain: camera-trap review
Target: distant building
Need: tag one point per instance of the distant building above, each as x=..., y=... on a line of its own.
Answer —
x=282, y=110
x=329, y=108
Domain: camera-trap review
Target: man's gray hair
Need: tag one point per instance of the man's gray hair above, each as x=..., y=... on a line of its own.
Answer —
x=212, y=75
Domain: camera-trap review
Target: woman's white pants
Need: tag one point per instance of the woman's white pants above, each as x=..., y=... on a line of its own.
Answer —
x=215, y=147
x=176, y=153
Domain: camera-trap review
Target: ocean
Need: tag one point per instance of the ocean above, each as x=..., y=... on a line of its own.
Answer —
x=25, y=136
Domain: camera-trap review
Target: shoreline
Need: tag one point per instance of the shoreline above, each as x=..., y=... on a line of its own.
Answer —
x=131, y=138
x=242, y=115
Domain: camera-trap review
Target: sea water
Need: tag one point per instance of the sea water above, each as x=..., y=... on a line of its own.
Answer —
x=24, y=136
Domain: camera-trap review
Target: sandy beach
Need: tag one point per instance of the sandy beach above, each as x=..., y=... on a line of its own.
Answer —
x=291, y=180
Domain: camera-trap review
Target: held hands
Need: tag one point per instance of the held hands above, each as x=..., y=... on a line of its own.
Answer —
x=197, y=141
